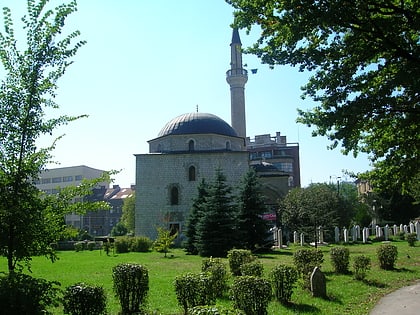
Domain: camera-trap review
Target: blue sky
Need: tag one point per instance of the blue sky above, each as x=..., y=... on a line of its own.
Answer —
x=146, y=62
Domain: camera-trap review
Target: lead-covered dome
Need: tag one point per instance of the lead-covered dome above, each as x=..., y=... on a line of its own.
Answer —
x=197, y=123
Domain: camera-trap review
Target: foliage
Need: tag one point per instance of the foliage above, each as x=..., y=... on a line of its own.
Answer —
x=84, y=299
x=252, y=228
x=366, y=64
x=25, y=295
x=411, y=239
x=216, y=270
x=25, y=94
x=387, y=255
x=122, y=244
x=164, y=240
x=195, y=217
x=238, y=257
x=251, y=294
x=213, y=310
x=305, y=209
x=140, y=244
x=119, y=229
x=282, y=279
x=128, y=216
x=216, y=230
x=254, y=268
x=79, y=246
x=193, y=289
x=131, y=286
x=340, y=258
x=361, y=265
x=305, y=261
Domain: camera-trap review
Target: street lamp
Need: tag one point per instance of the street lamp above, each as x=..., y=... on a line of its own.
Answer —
x=338, y=178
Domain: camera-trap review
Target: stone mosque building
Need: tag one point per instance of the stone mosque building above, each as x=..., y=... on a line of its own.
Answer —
x=192, y=146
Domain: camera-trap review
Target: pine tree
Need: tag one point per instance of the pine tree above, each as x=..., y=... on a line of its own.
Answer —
x=253, y=229
x=195, y=216
x=216, y=230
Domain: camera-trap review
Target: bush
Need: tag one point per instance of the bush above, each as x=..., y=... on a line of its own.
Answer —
x=401, y=235
x=305, y=261
x=340, y=258
x=24, y=295
x=218, y=274
x=79, y=246
x=238, y=257
x=251, y=294
x=387, y=255
x=212, y=310
x=361, y=265
x=411, y=239
x=122, y=245
x=140, y=244
x=193, y=289
x=83, y=299
x=283, y=279
x=254, y=268
x=91, y=245
x=131, y=285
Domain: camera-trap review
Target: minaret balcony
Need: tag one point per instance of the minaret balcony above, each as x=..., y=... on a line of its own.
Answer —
x=236, y=72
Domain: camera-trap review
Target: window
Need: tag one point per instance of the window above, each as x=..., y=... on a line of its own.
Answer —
x=67, y=178
x=191, y=173
x=191, y=145
x=174, y=196
x=78, y=177
x=228, y=147
x=46, y=180
x=56, y=180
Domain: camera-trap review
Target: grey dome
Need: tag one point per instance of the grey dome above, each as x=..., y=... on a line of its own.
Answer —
x=197, y=123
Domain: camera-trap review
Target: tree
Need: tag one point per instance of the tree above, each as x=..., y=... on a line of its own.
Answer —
x=27, y=90
x=216, y=230
x=128, y=217
x=252, y=228
x=195, y=216
x=305, y=209
x=119, y=229
x=366, y=59
x=164, y=240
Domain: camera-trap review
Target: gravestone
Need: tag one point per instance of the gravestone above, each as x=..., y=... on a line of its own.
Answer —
x=336, y=234
x=280, y=238
x=302, y=239
x=320, y=235
x=318, y=283
x=365, y=234
x=386, y=232
x=357, y=232
x=412, y=229
x=295, y=237
x=417, y=226
x=345, y=235
x=353, y=234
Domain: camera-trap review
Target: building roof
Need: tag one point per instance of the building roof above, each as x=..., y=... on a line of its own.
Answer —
x=197, y=123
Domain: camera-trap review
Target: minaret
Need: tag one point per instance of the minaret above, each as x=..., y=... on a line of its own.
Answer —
x=237, y=76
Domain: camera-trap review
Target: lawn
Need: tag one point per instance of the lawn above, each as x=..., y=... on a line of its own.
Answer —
x=345, y=295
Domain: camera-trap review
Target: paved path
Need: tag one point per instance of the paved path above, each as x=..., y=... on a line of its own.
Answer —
x=404, y=301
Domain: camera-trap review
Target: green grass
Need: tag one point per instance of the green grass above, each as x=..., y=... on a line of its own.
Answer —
x=345, y=295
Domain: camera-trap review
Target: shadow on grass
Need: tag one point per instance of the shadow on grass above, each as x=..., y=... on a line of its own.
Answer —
x=274, y=254
x=375, y=283
x=302, y=308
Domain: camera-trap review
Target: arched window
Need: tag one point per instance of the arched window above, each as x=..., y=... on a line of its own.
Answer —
x=191, y=173
x=191, y=145
x=174, y=195
x=228, y=145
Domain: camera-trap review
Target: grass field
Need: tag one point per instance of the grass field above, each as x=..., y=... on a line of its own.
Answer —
x=345, y=295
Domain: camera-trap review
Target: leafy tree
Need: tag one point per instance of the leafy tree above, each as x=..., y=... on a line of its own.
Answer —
x=195, y=216
x=305, y=209
x=27, y=90
x=164, y=240
x=216, y=230
x=252, y=228
x=365, y=55
x=119, y=229
x=129, y=212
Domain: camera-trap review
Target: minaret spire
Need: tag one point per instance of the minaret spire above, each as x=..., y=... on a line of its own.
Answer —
x=237, y=76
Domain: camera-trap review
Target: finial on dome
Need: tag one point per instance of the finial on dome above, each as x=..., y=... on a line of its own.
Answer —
x=196, y=108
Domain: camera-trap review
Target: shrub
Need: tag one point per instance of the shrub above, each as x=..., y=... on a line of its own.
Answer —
x=387, y=255
x=217, y=273
x=340, y=257
x=24, y=295
x=83, y=299
x=131, y=285
x=91, y=245
x=305, y=261
x=361, y=265
x=79, y=246
x=122, y=245
x=411, y=239
x=253, y=268
x=283, y=279
x=238, y=257
x=140, y=244
x=193, y=289
x=212, y=310
x=251, y=294
x=401, y=235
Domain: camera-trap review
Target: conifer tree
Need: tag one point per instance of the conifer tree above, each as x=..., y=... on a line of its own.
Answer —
x=216, y=230
x=253, y=229
x=195, y=216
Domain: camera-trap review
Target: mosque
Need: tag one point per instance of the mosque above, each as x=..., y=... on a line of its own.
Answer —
x=192, y=146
